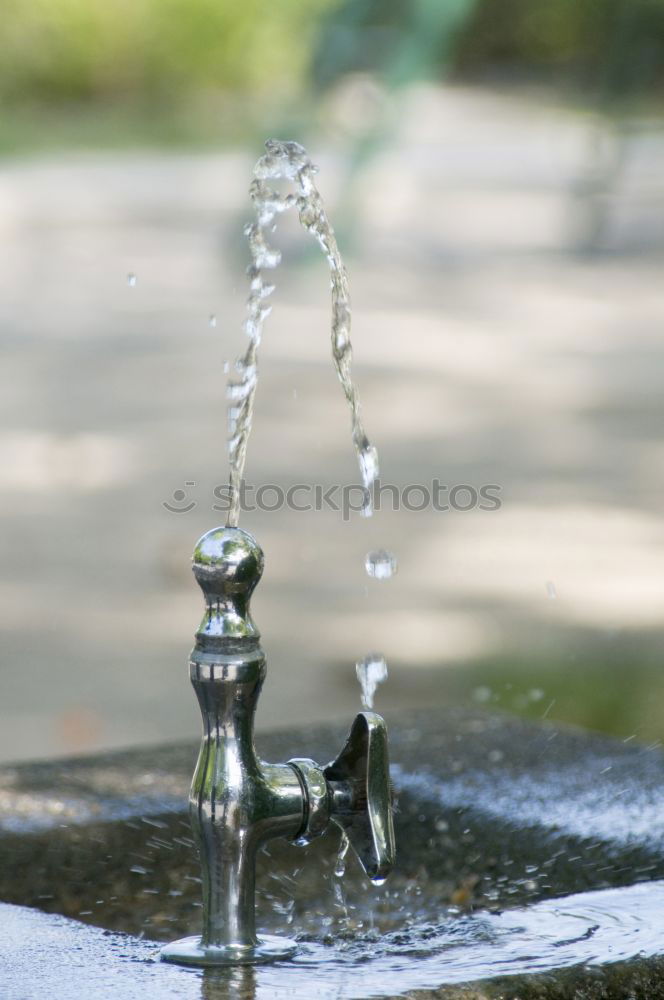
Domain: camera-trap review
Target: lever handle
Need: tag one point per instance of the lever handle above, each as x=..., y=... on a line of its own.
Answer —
x=361, y=805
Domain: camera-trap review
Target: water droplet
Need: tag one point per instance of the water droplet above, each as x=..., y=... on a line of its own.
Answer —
x=233, y=414
x=551, y=590
x=267, y=258
x=131, y=279
x=240, y=390
x=340, y=864
x=371, y=671
x=536, y=694
x=341, y=341
x=368, y=458
x=212, y=319
x=381, y=564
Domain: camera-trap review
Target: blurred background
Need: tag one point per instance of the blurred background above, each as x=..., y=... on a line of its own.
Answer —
x=495, y=175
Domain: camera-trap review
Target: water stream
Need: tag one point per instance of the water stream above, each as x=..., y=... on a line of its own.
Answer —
x=371, y=671
x=288, y=161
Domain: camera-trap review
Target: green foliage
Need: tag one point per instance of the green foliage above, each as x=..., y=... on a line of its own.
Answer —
x=612, y=690
x=55, y=51
x=107, y=71
x=399, y=41
x=614, y=46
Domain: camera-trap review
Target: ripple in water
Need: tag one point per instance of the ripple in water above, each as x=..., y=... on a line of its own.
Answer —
x=590, y=928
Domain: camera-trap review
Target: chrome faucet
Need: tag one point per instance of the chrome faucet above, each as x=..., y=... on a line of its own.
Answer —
x=237, y=801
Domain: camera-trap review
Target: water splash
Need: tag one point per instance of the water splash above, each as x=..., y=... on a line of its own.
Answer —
x=342, y=853
x=381, y=564
x=338, y=881
x=590, y=928
x=371, y=671
x=289, y=161
x=596, y=929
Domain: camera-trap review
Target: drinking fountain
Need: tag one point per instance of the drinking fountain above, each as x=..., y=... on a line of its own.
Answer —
x=237, y=801
x=528, y=825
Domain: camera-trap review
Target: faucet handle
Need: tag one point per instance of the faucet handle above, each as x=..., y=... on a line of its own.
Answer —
x=361, y=794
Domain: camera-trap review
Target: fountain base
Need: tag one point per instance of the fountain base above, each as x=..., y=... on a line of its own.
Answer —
x=191, y=951
x=508, y=816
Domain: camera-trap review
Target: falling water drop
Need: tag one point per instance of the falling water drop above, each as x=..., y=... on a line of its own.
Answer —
x=339, y=872
x=381, y=564
x=340, y=864
x=131, y=279
x=371, y=671
x=212, y=319
x=368, y=459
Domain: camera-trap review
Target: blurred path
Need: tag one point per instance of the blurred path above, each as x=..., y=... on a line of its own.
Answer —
x=488, y=350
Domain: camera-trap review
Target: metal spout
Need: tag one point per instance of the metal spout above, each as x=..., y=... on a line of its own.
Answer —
x=238, y=802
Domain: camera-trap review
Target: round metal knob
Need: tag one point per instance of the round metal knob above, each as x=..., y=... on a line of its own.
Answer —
x=227, y=563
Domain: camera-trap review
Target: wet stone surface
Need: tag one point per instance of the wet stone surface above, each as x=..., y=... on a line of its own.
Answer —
x=493, y=814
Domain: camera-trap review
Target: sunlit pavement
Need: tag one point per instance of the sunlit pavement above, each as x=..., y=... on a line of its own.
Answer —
x=505, y=259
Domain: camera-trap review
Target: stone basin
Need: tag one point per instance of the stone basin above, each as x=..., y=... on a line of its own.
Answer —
x=529, y=860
